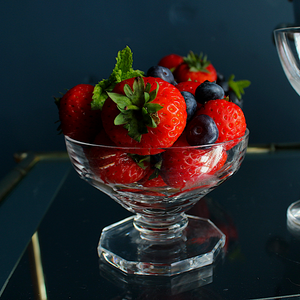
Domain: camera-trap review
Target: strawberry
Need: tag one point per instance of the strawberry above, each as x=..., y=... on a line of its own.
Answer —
x=228, y=117
x=188, y=86
x=189, y=168
x=113, y=165
x=147, y=113
x=195, y=68
x=78, y=120
x=148, y=181
x=171, y=61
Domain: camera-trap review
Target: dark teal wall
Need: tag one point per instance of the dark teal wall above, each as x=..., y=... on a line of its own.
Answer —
x=50, y=46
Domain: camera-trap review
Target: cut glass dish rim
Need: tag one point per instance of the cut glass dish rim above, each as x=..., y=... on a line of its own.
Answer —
x=160, y=148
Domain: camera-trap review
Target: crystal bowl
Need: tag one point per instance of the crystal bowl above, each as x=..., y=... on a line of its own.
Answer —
x=159, y=238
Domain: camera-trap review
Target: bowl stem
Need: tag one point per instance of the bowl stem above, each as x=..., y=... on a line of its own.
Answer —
x=162, y=228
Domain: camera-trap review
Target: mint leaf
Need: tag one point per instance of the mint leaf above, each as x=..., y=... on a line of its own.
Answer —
x=122, y=70
x=238, y=86
x=99, y=94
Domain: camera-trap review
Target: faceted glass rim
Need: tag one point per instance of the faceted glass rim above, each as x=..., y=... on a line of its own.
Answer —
x=198, y=147
x=295, y=29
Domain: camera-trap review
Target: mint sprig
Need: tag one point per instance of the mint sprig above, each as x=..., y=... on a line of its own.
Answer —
x=123, y=70
x=238, y=86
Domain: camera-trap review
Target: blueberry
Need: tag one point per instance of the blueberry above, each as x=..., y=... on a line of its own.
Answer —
x=161, y=72
x=191, y=104
x=233, y=98
x=220, y=78
x=208, y=91
x=202, y=130
x=221, y=81
x=224, y=85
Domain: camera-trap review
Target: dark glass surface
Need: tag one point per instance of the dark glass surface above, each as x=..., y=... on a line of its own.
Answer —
x=261, y=258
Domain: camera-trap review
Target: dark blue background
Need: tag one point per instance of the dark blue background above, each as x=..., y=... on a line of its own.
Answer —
x=50, y=46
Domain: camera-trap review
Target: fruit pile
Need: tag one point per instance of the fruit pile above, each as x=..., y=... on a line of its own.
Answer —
x=179, y=103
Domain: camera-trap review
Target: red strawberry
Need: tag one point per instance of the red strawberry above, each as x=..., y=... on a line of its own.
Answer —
x=144, y=112
x=152, y=182
x=189, y=168
x=113, y=165
x=188, y=86
x=171, y=61
x=195, y=68
x=228, y=117
x=78, y=120
x=149, y=186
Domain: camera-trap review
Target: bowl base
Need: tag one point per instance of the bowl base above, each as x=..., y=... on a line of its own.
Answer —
x=122, y=246
x=293, y=213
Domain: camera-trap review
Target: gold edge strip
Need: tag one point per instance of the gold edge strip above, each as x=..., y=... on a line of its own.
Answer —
x=25, y=161
x=258, y=150
x=288, y=297
x=37, y=268
x=52, y=155
x=16, y=174
x=271, y=148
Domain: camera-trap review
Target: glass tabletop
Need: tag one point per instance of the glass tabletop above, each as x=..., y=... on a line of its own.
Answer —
x=261, y=259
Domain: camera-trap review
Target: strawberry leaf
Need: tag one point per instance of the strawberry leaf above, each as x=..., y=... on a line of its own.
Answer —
x=154, y=174
x=136, y=110
x=148, y=87
x=156, y=171
x=128, y=91
x=121, y=100
x=148, y=119
x=141, y=160
x=197, y=63
x=146, y=97
x=132, y=107
x=138, y=94
x=238, y=86
x=136, y=129
x=123, y=70
x=153, y=93
x=122, y=119
x=153, y=107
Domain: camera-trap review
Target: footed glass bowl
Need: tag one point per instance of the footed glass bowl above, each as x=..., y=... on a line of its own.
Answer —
x=158, y=186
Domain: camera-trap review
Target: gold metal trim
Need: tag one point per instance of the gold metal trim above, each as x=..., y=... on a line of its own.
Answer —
x=272, y=147
x=37, y=268
x=26, y=161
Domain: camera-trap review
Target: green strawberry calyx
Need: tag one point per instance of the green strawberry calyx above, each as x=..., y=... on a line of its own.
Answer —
x=238, y=86
x=197, y=63
x=142, y=161
x=156, y=169
x=136, y=110
x=123, y=70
